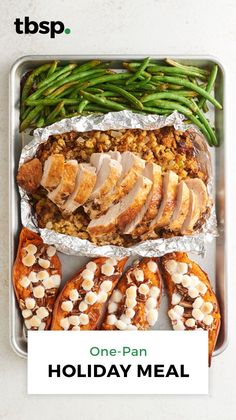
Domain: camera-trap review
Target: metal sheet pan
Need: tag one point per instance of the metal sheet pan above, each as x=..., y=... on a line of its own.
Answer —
x=215, y=260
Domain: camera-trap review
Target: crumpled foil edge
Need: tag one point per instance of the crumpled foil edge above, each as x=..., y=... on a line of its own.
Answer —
x=71, y=245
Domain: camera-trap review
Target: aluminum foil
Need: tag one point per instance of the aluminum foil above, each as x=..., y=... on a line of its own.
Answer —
x=118, y=120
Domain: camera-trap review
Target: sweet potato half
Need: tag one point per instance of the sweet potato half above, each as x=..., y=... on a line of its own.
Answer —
x=192, y=302
x=36, y=279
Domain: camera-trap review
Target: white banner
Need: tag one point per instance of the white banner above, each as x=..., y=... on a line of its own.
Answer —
x=115, y=362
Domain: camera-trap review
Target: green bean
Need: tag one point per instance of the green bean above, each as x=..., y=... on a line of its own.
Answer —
x=139, y=72
x=52, y=68
x=96, y=108
x=172, y=105
x=206, y=124
x=102, y=101
x=182, y=66
x=190, y=85
x=94, y=90
x=130, y=98
x=54, y=101
x=40, y=122
x=26, y=112
x=210, y=84
x=63, y=111
x=75, y=77
x=30, y=80
x=82, y=105
x=55, y=112
x=175, y=71
x=30, y=117
x=87, y=66
x=40, y=91
x=158, y=111
x=196, y=121
x=55, y=75
x=62, y=89
x=108, y=78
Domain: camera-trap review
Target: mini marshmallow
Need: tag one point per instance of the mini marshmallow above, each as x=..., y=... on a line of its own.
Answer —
x=28, y=260
x=178, y=309
x=155, y=292
x=75, y=328
x=87, y=274
x=143, y=289
x=177, y=278
x=33, y=277
x=107, y=269
x=117, y=296
x=25, y=282
x=112, y=261
x=73, y=295
x=74, y=320
x=111, y=320
x=173, y=315
x=38, y=292
x=193, y=292
x=131, y=327
x=120, y=325
x=31, y=249
x=198, y=303
x=171, y=266
x=51, y=251
x=130, y=313
x=186, y=281
x=152, y=317
x=194, y=280
x=90, y=298
x=182, y=268
x=42, y=275
x=87, y=284
x=176, y=298
x=83, y=306
x=56, y=278
x=112, y=307
x=84, y=319
x=125, y=319
x=152, y=266
x=138, y=274
x=44, y=263
x=42, y=326
x=202, y=288
x=35, y=321
x=106, y=286
x=102, y=297
x=178, y=325
x=67, y=306
x=151, y=303
x=64, y=323
x=208, y=319
x=27, y=324
x=48, y=283
x=26, y=313
x=30, y=303
x=42, y=312
x=91, y=266
x=190, y=322
x=207, y=308
x=197, y=314
x=131, y=292
x=130, y=302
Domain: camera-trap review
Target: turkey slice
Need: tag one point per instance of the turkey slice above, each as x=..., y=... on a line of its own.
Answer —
x=181, y=207
x=67, y=184
x=52, y=171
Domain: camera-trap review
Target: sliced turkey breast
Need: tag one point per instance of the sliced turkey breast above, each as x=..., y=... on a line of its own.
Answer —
x=169, y=191
x=107, y=177
x=181, y=207
x=52, y=171
x=199, y=188
x=192, y=216
x=84, y=184
x=115, y=155
x=139, y=225
x=97, y=160
x=124, y=211
x=67, y=183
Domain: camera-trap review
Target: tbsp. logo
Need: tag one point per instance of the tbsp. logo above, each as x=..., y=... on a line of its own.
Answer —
x=28, y=26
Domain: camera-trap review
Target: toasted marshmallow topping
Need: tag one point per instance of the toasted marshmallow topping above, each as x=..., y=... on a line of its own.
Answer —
x=67, y=306
x=38, y=292
x=207, y=308
x=44, y=263
x=197, y=314
x=90, y=298
x=83, y=306
x=74, y=320
x=151, y=303
x=130, y=313
x=155, y=292
x=111, y=319
x=42, y=312
x=73, y=295
x=143, y=289
x=106, y=286
x=190, y=322
x=84, y=319
x=178, y=325
x=42, y=275
x=48, y=283
x=35, y=321
x=117, y=296
x=25, y=282
x=51, y=251
x=28, y=260
x=171, y=266
x=64, y=323
x=31, y=249
x=177, y=278
x=30, y=303
x=112, y=307
x=152, y=317
x=139, y=275
x=198, y=303
x=87, y=274
x=91, y=266
x=176, y=298
x=120, y=325
x=208, y=320
x=33, y=277
x=182, y=268
x=152, y=266
x=102, y=297
x=107, y=269
x=87, y=284
x=125, y=319
x=193, y=292
x=26, y=313
x=130, y=302
x=131, y=292
x=56, y=278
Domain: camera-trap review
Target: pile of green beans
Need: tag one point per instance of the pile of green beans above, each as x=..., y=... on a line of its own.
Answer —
x=55, y=90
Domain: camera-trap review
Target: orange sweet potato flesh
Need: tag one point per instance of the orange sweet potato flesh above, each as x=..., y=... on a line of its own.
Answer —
x=95, y=311
x=150, y=278
x=20, y=270
x=209, y=296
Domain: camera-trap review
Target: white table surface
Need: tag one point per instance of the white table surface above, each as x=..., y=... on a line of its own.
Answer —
x=134, y=27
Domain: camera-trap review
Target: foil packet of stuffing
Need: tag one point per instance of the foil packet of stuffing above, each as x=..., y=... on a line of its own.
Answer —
x=116, y=121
